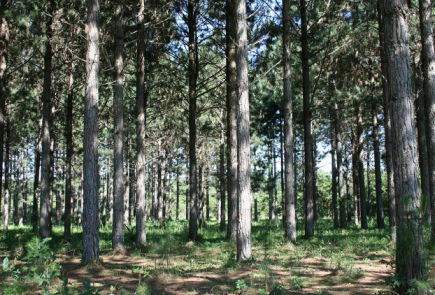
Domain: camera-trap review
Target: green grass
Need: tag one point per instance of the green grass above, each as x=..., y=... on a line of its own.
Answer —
x=170, y=255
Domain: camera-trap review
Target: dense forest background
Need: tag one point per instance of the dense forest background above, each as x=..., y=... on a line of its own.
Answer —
x=125, y=115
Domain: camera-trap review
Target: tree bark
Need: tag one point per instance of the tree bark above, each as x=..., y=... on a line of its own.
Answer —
x=378, y=175
x=193, y=76
x=231, y=76
x=90, y=153
x=334, y=171
x=428, y=67
x=360, y=147
x=177, y=209
x=244, y=241
x=409, y=251
x=7, y=158
x=289, y=192
x=221, y=201
x=387, y=119
x=44, y=217
x=118, y=176
x=308, y=137
x=4, y=42
x=140, y=129
x=36, y=185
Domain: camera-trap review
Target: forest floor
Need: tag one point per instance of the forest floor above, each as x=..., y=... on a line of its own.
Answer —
x=350, y=261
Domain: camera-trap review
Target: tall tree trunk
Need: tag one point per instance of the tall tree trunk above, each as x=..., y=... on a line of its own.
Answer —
x=44, y=217
x=7, y=158
x=91, y=179
x=289, y=192
x=222, y=184
x=378, y=175
x=244, y=241
x=201, y=195
x=270, y=178
x=177, y=209
x=409, y=251
x=334, y=172
x=160, y=189
x=118, y=176
x=360, y=143
x=156, y=189
x=281, y=152
x=340, y=174
x=170, y=200
x=231, y=79
x=36, y=185
x=58, y=190
x=308, y=137
x=207, y=197
x=4, y=42
x=427, y=63
x=193, y=76
x=355, y=174
x=140, y=129
x=421, y=131
x=274, y=178
x=369, y=187
x=387, y=119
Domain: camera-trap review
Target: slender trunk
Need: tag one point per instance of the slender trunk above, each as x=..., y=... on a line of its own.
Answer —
x=20, y=186
x=58, y=191
x=170, y=201
x=201, y=195
x=36, y=185
x=91, y=182
x=360, y=143
x=369, y=185
x=231, y=79
x=334, y=172
x=221, y=197
x=274, y=178
x=160, y=187
x=409, y=251
x=315, y=175
x=4, y=42
x=7, y=193
x=156, y=189
x=421, y=131
x=44, y=219
x=281, y=152
x=193, y=76
x=131, y=200
x=207, y=197
x=244, y=241
x=177, y=209
x=340, y=174
x=387, y=120
x=118, y=176
x=355, y=175
x=378, y=175
x=270, y=178
x=308, y=137
x=140, y=129
x=290, y=183
x=427, y=63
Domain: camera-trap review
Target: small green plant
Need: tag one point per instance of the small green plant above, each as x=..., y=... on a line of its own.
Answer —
x=296, y=282
x=241, y=285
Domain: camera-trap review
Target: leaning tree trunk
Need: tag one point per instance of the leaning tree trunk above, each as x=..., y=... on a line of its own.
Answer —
x=118, y=176
x=308, y=137
x=193, y=76
x=427, y=63
x=231, y=102
x=244, y=241
x=4, y=41
x=44, y=217
x=378, y=175
x=91, y=179
x=409, y=251
x=140, y=129
x=289, y=192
